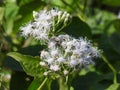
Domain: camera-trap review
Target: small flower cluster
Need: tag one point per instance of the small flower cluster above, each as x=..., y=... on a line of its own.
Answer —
x=66, y=54
x=44, y=24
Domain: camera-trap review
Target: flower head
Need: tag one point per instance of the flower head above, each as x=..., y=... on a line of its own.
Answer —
x=69, y=54
x=44, y=24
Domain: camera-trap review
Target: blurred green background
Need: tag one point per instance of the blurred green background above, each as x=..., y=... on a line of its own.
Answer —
x=98, y=20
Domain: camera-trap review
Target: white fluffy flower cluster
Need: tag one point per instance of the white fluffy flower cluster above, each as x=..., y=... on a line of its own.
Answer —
x=44, y=23
x=66, y=54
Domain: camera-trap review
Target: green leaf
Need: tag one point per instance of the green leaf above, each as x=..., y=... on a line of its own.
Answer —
x=116, y=24
x=34, y=85
x=14, y=65
x=99, y=20
x=115, y=3
x=23, y=2
x=78, y=28
x=30, y=64
x=114, y=87
x=115, y=41
x=11, y=11
x=19, y=81
x=90, y=81
x=68, y=5
x=112, y=33
x=110, y=45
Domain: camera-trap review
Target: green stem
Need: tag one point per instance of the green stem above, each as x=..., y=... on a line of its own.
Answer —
x=60, y=29
x=111, y=67
x=53, y=24
x=63, y=85
x=40, y=87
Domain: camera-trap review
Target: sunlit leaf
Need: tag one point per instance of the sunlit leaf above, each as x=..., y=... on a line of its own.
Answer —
x=34, y=85
x=30, y=64
x=114, y=87
x=11, y=11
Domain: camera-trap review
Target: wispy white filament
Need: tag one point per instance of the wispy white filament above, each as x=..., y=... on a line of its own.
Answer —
x=44, y=23
x=67, y=53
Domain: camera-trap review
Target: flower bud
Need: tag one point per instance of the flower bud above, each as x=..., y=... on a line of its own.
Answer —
x=43, y=64
x=63, y=16
x=65, y=72
x=46, y=73
x=35, y=14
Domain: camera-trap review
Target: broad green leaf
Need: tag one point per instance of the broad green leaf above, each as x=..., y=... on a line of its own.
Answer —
x=114, y=3
x=14, y=65
x=30, y=64
x=78, y=28
x=11, y=11
x=114, y=87
x=99, y=20
x=90, y=81
x=110, y=45
x=112, y=33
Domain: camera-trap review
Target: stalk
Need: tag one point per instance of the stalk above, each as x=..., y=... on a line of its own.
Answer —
x=111, y=67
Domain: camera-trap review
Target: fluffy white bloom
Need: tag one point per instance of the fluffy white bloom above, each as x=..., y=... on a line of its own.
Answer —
x=54, y=52
x=73, y=63
x=50, y=60
x=69, y=53
x=26, y=30
x=54, y=67
x=44, y=54
x=51, y=44
x=45, y=22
